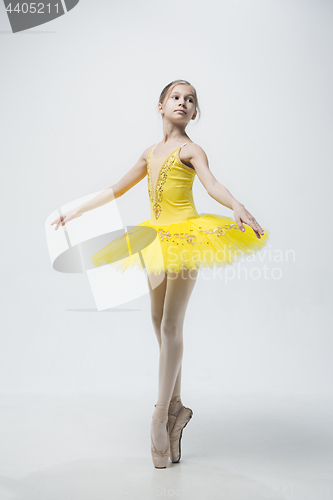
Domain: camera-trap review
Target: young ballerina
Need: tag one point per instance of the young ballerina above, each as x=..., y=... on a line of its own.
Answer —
x=172, y=245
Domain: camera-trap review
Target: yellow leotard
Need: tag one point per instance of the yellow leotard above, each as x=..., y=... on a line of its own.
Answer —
x=177, y=237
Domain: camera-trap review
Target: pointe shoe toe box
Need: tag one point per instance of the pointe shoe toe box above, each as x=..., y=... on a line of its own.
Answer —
x=182, y=420
x=160, y=459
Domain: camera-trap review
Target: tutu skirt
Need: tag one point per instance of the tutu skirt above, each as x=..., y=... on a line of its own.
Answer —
x=205, y=241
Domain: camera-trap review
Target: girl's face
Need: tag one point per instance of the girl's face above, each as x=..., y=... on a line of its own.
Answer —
x=179, y=105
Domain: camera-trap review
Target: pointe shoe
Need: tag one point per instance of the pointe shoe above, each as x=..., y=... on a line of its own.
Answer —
x=177, y=422
x=160, y=458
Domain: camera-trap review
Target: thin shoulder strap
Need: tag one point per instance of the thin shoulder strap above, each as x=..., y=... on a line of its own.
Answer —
x=183, y=145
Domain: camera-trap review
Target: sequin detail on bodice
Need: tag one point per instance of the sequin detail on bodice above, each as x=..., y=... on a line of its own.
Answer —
x=171, y=197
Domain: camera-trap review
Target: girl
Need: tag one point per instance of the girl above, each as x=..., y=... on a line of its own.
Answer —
x=174, y=244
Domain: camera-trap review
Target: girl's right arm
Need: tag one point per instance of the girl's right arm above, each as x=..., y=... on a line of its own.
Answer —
x=133, y=176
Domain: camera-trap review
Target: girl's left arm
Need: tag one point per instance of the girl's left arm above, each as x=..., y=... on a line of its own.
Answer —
x=220, y=193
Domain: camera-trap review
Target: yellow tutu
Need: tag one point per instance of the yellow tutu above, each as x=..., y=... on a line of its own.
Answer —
x=206, y=241
x=176, y=237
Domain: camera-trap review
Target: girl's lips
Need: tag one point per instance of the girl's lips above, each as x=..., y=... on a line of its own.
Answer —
x=180, y=111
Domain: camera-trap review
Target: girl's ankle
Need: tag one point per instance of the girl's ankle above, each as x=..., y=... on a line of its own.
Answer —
x=175, y=399
x=175, y=405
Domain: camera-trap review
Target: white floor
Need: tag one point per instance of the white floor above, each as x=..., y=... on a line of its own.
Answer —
x=97, y=446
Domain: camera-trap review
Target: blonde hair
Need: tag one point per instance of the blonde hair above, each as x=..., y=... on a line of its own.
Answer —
x=167, y=89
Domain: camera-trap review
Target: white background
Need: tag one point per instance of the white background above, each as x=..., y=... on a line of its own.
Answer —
x=79, y=105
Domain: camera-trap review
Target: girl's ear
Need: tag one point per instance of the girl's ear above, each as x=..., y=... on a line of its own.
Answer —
x=160, y=109
x=194, y=115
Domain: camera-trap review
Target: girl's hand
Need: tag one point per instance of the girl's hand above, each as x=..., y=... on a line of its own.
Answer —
x=66, y=217
x=243, y=216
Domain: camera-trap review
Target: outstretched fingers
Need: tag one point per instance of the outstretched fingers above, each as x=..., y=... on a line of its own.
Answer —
x=243, y=216
x=255, y=226
x=60, y=221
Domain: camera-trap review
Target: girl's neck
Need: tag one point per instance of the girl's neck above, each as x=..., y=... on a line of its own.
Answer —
x=173, y=133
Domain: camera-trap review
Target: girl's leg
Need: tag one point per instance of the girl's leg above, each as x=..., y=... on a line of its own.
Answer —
x=157, y=289
x=177, y=294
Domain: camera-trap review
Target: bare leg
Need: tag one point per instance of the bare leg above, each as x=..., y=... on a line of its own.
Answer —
x=177, y=289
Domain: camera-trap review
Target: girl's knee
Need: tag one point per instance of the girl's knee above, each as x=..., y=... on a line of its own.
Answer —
x=156, y=320
x=171, y=329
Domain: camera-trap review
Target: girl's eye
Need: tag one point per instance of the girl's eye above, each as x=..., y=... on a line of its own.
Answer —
x=189, y=99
